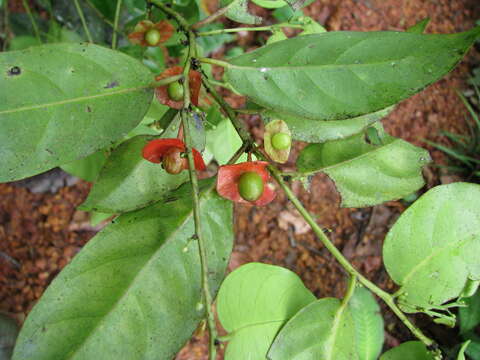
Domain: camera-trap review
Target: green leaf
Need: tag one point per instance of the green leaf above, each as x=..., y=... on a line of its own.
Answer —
x=223, y=141
x=133, y=292
x=22, y=42
x=473, y=349
x=128, y=182
x=277, y=35
x=88, y=167
x=317, y=131
x=367, y=174
x=8, y=334
x=419, y=27
x=410, y=350
x=470, y=315
x=461, y=353
x=238, y=11
x=323, y=329
x=97, y=217
x=270, y=4
x=368, y=321
x=253, y=303
x=433, y=248
x=78, y=99
x=341, y=75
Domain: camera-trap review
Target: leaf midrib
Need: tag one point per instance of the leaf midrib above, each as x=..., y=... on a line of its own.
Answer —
x=73, y=100
x=433, y=255
x=188, y=215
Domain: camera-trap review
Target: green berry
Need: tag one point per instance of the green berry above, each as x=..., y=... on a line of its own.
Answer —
x=250, y=186
x=281, y=141
x=175, y=91
x=152, y=37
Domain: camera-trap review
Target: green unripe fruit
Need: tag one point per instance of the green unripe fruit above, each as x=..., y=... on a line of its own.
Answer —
x=152, y=37
x=281, y=141
x=250, y=186
x=175, y=91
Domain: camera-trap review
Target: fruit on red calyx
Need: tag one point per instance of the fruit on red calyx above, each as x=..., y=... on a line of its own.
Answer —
x=152, y=37
x=250, y=186
x=281, y=141
x=175, y=91
x=173, y=162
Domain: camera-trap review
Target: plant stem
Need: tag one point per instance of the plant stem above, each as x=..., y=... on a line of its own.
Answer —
x=386, y=297
x=82, y=19
x=259, y=28
x=166, y=81
x=115, y=24
x=211, y=18
x=99, y=13
x=277, y=175
x=32, y=20
x=352, y=283
x=224, y=85
x=6, y=25
x=214, y=62
x=166, y=9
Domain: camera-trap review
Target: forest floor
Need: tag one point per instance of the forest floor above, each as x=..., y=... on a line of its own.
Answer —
x=40, y=232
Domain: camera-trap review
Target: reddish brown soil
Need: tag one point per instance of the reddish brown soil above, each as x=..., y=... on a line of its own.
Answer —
x=39, y=234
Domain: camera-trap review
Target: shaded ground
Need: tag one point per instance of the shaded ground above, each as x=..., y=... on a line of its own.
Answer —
x=40, y=233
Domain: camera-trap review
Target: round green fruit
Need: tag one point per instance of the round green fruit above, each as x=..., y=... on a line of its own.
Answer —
x=175, y=91
x=152, y=37
x=250, y=186
x=281, y=141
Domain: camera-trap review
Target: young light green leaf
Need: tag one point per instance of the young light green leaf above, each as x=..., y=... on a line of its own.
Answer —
x=419, y=27
x=76, y=100
x=410, y=350
x=433, y=248
x=470, y=314
x=238, y=11
x=461, y=353
x=253, y=303
x=270, y=4
x=341, y=75
x=223, y=141
x=277, y=35
x=318, y=131
x=368, y=321
x=323, y=329
x=134, y=291
x=367, y=174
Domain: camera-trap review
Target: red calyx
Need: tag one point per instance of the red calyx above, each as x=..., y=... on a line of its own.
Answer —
x=195, y=82
x=165, y=29
x=228, y=176
x=168, y=152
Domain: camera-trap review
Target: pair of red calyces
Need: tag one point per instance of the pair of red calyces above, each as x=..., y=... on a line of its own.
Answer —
x=247, y=182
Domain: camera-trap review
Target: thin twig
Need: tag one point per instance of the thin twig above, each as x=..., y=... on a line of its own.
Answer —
x=166, y=81
x=259, y=28
x=211, y=18
x=82, y=19
x=32, y=20
x=6, y=25
x=115, y=24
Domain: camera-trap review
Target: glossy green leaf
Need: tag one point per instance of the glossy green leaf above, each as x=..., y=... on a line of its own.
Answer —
x=128, y=181
x=341, y=75
x=253, y=303
x=433, y=248
x=368, y=321
x=323, y=329
x=87, y=168
x=133, y=292
x=238, y=11
x=317, y=131
x=410, y=350
x=469, y=316
x=78, y=99
x=367, y=174
x=419, y=27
